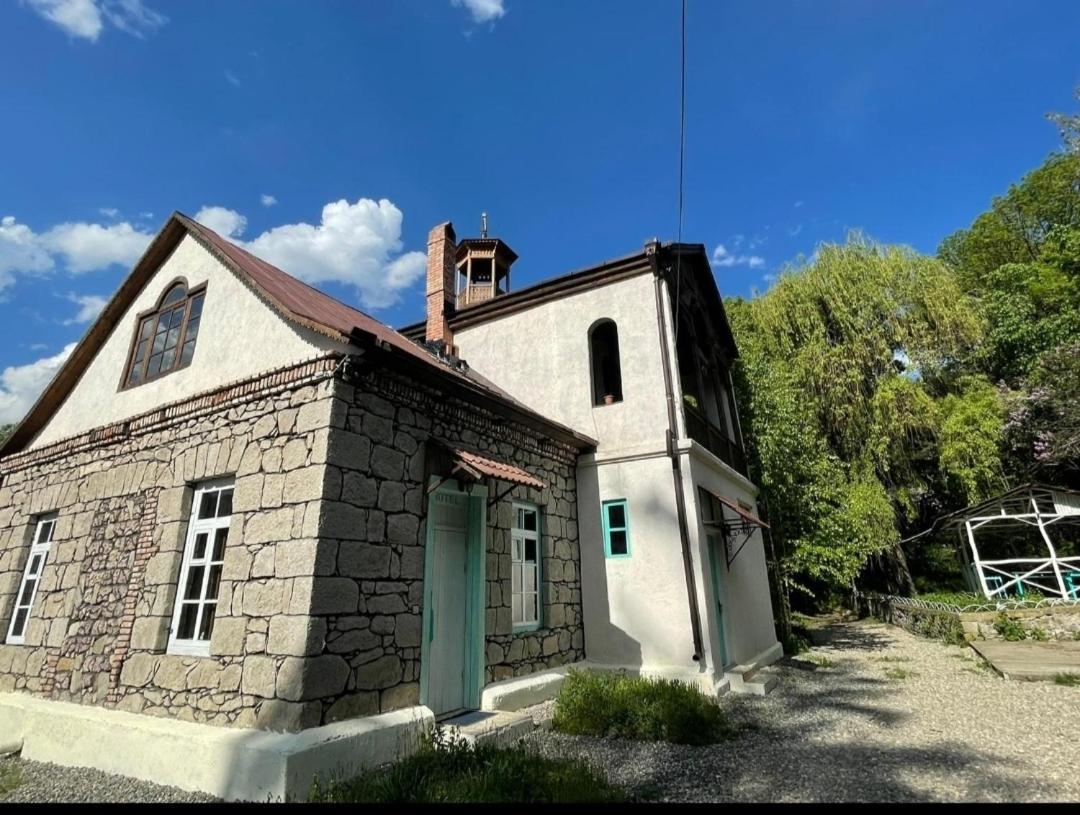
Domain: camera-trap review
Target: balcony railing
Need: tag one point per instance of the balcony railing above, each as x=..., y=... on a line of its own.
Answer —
x=701, y=430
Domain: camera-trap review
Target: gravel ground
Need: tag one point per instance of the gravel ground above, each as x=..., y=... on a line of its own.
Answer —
x=871, y=714
x=40, y=783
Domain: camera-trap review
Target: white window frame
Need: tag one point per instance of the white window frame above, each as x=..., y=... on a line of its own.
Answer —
x=39, y=552
x=521, y=569
x=207, y=562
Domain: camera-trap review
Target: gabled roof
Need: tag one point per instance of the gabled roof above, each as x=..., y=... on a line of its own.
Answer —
x=292, y=299
x=665, y=260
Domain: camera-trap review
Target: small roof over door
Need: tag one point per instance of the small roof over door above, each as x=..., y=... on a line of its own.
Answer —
x=478, y=467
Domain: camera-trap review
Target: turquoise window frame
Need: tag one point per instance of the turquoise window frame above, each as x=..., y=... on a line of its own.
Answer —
x=608, y=529
x=520, y=627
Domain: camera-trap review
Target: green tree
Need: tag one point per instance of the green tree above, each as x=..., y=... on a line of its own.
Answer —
x=850, y=366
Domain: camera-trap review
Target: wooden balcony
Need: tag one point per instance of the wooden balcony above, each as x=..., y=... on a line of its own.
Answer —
x=701, y=430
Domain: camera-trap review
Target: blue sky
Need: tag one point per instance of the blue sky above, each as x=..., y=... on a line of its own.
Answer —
x=333, y=135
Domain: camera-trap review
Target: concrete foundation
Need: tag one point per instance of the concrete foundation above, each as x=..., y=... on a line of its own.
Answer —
x=233, y=764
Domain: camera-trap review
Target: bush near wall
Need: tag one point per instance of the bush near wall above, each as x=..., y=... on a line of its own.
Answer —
x=616, y=705
x=450, y=770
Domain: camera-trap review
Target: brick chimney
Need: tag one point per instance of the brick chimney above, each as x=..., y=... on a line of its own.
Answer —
x=441, y=284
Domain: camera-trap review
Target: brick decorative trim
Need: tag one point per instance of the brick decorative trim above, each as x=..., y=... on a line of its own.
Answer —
x=145, y=548
x=181, y=410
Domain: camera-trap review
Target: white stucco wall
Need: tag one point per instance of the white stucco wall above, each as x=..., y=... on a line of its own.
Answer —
x=541, y=357
x=747, y=606
x=239, y=336
x=635, y=609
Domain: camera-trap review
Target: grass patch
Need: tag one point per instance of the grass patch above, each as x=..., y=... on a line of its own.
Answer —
x=900, y=674
x=10, y=778
x=600, y=703
x=448, y=770
x=890, y=659
x=1069, y=680
x=820, y=660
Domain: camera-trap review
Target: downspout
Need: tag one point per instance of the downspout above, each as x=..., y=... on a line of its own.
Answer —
x=672, y=434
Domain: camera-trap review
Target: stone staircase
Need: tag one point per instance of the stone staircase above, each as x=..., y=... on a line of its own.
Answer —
x=747, y=679
x=500, y=727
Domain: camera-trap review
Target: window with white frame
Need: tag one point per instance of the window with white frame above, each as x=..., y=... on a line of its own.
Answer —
x=200, y=574
x=525, y=571
x=35, y=564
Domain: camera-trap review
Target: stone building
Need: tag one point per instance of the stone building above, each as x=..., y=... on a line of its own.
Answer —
x=250, y=523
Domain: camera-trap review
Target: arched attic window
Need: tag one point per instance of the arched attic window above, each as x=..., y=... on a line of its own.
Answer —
x=606, y=365
x=165, y=337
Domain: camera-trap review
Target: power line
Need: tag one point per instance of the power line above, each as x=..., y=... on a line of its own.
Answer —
x=682, y=154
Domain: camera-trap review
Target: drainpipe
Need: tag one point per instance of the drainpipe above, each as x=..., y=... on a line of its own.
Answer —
x=652, y=249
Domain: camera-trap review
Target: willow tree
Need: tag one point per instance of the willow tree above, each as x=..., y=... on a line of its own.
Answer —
x=850, y=370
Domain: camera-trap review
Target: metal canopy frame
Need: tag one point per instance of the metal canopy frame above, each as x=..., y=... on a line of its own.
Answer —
x=1039, y=506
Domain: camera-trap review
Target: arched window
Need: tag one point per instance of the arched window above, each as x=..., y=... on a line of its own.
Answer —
x=165, y=337
x=606, y=367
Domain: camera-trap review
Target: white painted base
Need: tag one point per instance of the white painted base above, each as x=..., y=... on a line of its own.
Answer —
x=523, y=691
x=234, y=764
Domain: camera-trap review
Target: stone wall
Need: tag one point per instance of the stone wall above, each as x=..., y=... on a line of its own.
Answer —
x=378, y=529
x=322, y=587
x=99, y=627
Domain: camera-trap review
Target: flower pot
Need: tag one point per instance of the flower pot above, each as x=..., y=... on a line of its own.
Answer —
x=609, y=399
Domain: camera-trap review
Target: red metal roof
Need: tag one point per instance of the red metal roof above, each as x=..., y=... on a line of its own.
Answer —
x=477, y=465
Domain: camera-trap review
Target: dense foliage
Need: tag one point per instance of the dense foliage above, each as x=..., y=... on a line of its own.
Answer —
x=880, y=387
x=599, y=703
x=450, y=770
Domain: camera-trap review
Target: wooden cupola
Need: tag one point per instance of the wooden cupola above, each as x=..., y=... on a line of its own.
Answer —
x=483, y=266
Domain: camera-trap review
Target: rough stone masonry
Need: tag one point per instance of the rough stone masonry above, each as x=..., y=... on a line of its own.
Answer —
x=322, y=587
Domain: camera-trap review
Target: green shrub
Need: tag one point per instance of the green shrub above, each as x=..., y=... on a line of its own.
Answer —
x=448, y=770
x=935, y=625
x=1069, y=680
x=598, y=703
x=10, y=778
x=1040, y=635
x=954, y=598
x=1009, y=628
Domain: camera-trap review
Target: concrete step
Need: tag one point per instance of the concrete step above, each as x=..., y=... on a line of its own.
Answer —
x=744, y=679
x=499, y=727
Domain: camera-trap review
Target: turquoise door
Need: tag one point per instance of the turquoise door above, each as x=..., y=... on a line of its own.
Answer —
x=452, y=652
x=446, y=681
x=717, y=559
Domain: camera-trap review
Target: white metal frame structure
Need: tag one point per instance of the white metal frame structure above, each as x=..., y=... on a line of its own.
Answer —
x=1034, y=505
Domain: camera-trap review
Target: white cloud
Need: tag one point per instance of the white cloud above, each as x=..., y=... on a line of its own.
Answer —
x=482, y=11
x=722, y=257
x=798, y=204
x=20, y=251
x=90, y=306
x=83, y=247
x=769, y=278
x=227, y=222
x=357, y=244
x=86, y=19
x=234, y=80
x=20, y=385
x=795, y=230
x=267, y=200
x=109, y=212
x=89, y=247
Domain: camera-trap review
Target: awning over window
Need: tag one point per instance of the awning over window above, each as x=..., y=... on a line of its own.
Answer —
x=747, y=517
x=479, y=467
